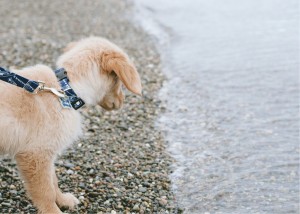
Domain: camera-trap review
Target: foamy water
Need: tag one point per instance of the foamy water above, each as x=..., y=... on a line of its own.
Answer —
x=232, y=120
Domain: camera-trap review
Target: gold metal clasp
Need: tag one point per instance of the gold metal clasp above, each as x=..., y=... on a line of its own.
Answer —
x=42, y=87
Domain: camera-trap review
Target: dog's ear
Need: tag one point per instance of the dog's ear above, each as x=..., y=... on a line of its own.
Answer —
x=124, y=69
x=70, y=46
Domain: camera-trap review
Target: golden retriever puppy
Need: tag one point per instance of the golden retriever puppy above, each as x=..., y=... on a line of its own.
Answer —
x=35, y=128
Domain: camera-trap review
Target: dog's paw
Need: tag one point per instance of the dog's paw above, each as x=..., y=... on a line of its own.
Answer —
x=68, y=200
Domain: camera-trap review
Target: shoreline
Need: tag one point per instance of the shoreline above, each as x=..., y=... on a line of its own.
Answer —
x=120, y=164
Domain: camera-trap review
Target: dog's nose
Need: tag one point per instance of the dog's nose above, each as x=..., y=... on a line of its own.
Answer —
x=111, y=104
x=116, y=105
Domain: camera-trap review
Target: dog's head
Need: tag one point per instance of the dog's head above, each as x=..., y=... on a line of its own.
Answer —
x=97, y=70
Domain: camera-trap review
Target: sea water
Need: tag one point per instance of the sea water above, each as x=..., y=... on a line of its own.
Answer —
x=232, y=101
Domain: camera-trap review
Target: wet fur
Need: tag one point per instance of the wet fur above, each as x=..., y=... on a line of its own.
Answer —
x=34, y=129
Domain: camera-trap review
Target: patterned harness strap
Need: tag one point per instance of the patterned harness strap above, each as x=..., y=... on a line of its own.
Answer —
x=67, y=96
x=17, y=80
x=71, y=99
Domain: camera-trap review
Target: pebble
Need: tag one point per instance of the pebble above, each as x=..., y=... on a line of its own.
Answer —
x=93, y=194
x=130, y=175
x=142, y=189
x=6, y=204
x=136, y=208
x=163, y=202
x=68, y=165
x=70, y=172
x=107, y=202
x=13, y=192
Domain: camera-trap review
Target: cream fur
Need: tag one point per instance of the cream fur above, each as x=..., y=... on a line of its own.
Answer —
x=35, y=121
x=35, y=128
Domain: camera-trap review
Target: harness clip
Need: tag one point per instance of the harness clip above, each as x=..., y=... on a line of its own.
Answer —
x=42, y=87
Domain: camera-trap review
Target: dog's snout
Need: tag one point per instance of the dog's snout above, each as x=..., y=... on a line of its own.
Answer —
x=110, y=103
x=117, y=104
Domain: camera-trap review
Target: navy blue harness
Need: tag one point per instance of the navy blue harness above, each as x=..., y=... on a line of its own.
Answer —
x=71, y=99
x=17, y=80
x=68, y=98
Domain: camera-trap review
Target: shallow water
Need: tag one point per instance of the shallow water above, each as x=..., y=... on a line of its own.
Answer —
x=232, y=119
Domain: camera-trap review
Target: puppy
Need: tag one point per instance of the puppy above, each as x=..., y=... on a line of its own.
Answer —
x=34, y=128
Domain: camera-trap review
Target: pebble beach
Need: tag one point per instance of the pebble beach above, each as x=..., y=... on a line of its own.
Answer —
x=120, y=164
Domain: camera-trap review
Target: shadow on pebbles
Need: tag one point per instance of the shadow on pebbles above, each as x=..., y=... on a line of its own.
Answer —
x=119, y=165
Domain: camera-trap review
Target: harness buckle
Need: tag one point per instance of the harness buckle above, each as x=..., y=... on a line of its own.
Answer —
x=77, y=103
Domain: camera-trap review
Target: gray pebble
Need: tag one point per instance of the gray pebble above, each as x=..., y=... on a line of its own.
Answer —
x=136, y=207
x=5, y=204
x=70, y=172
x=142, y=189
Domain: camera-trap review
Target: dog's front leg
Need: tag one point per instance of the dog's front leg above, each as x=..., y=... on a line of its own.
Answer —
x=64, y=199
x=36, y=169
